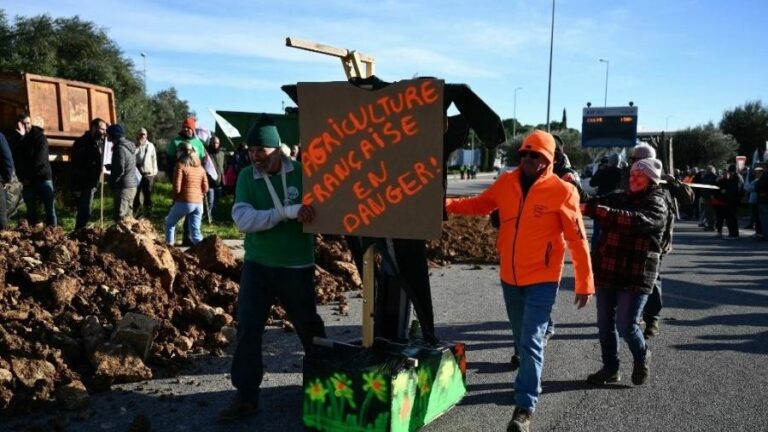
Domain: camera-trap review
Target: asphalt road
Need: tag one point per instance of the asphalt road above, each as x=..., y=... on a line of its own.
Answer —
x=707, y=372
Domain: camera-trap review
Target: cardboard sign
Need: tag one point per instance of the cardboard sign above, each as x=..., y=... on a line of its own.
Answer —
x=372, y=159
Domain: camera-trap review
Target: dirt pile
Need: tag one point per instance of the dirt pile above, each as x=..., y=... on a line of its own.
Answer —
x=465, y=239
x=83, y=312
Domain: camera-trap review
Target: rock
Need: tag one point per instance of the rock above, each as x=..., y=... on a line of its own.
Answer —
x=60, y=255
x=221, y=319
x=118, y=364
x=136, y=330
x=92, y=333
x=32, y=262
x=37, y=376
x=184, y=343
x=5, y=397
x=37, y=279
x=205, y=313
x=348, y=270
x=214, y=255
x=228, y=334
x=63, y=290
x=73, y=396
x=5, y=376
x=142, y=249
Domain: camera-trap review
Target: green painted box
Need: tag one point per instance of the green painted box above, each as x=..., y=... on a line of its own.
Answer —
x=388, y=387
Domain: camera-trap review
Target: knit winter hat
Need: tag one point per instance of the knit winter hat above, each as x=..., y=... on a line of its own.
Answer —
x=650, y=167
x=540, y=142
x=642, y=151
x=263, y=133
x=115, y=131
x=190, y=122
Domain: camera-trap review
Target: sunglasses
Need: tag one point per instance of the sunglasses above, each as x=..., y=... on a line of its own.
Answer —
x=530, y=154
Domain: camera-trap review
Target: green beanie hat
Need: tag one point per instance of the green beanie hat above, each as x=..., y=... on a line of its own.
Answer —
x=263, y=133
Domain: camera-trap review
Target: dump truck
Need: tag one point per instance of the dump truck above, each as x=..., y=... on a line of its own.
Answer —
x=63, y=108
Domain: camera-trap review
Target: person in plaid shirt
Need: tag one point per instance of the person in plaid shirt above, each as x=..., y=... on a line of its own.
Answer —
x=626, y=263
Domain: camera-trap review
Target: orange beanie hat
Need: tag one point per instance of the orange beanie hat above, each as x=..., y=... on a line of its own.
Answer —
x=540, y=142
x=189, y=122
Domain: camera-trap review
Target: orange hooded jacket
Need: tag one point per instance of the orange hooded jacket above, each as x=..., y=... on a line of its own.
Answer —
x=535, y=230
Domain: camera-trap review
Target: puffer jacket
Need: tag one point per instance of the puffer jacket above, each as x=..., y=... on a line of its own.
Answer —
x=631, y=244
x=123, y=172
x=534, y=230
x=189, y=184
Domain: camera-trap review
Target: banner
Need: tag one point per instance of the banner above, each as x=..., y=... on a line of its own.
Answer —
x=372, y=159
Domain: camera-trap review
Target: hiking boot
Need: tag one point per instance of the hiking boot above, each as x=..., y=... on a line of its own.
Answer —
x=640, y=371
x=651, y=328
x=603, y=377
x=237, y=410
x=521, y=420
x=515, y=362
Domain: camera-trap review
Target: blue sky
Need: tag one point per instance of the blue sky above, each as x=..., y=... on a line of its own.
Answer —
x=682, y=62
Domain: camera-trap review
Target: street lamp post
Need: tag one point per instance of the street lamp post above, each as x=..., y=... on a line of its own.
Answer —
x=514, y=113
x=144, y=71
x=607, y=65
x=551, y=44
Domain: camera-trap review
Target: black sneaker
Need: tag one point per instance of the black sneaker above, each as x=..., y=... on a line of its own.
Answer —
x=515, y=362
x=651, y=328
x=237, y=410
x=521, y=421
x=603, y=377
x=641, y=370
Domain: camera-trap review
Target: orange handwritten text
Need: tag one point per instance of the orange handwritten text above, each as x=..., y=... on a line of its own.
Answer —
x=371, y=118
x=373, y=203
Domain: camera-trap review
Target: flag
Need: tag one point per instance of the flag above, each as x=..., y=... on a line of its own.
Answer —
x=226, y=127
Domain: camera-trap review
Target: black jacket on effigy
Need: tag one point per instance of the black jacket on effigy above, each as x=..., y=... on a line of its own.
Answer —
x=628, y=253
x=86, y=162
x=30, y=154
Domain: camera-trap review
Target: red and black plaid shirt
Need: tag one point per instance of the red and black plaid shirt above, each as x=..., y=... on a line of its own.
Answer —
x=628, y=252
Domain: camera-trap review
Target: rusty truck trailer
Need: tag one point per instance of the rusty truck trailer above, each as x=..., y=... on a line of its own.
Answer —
x=63, y=108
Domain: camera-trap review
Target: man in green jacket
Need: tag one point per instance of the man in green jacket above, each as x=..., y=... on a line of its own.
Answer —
x=279, y=260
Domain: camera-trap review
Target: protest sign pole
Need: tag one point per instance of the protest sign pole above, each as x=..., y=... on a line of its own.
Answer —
x=368, y=269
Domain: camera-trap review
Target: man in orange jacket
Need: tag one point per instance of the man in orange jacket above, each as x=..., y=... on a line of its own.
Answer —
x=539, y=216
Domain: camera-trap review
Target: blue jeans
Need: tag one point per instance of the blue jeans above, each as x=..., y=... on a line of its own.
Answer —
x=42, y=190
x=259, y=287
x=653, y=306
x=84, y=205
x=528, y=310
x=194, y=213
x=617, y=315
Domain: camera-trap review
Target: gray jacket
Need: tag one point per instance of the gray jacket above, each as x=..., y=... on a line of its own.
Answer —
x=123, y=170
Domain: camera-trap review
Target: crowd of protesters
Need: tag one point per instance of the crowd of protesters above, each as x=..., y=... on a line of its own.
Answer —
x=129, y=170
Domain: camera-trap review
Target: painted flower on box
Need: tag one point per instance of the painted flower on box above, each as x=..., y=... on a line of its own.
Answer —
x=424, y=378
x=375, y=383
x=342, y=388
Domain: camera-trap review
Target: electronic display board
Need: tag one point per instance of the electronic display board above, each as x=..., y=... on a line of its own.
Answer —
x=609, y=127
